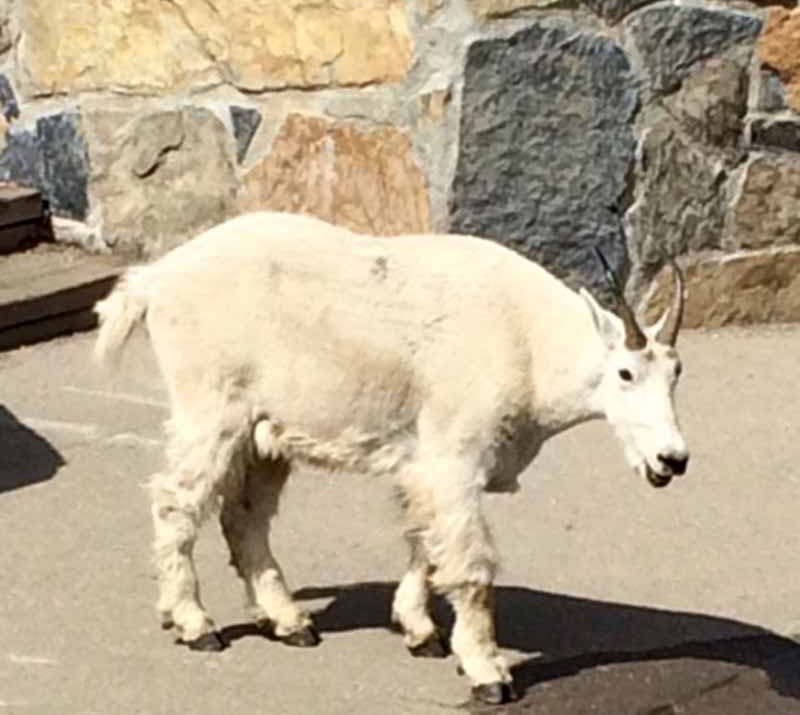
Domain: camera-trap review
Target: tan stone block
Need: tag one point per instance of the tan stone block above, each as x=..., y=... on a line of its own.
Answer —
x=779, y=48
x=430, y=7
x=160, y=178
x=366, y=179
x=144, y=46
x=736, y=289
x=147, y=46
x=499, y=8
x=767, y=209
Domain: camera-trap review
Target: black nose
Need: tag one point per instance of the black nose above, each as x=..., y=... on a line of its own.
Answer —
x=676, y=464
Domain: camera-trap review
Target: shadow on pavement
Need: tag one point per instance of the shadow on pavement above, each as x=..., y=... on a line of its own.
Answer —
x=25, y=457
x=569, y=634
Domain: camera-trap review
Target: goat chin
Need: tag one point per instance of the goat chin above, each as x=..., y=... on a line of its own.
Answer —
x=656, y=480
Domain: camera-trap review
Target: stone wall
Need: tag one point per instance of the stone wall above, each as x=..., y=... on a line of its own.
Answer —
x=650, y=129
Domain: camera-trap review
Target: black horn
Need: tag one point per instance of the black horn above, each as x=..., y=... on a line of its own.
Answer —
x=635, y=339
x=669, y=331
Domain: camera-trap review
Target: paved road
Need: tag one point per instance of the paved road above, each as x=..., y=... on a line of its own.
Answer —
x=614, y=599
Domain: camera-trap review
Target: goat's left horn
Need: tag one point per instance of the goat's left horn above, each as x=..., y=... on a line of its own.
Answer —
x=635, y=339
x=669, y=331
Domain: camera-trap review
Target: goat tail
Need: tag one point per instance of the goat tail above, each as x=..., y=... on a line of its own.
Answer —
x=119, y=313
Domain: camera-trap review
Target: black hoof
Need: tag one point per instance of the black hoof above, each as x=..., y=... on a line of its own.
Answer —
x=306, y=637
x=434, y=646
x=210, y=643
x=494, y=693
x=167, y=624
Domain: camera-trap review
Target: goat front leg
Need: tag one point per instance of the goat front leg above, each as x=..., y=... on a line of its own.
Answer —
x=461, y=550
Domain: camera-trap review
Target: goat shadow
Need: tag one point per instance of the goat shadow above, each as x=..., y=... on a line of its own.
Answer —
x=25, y=457
x=570, y=634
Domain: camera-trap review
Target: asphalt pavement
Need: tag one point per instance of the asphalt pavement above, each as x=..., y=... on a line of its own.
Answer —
x=614, y=598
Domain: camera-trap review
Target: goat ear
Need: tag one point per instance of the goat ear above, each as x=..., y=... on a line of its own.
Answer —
x=606, y=323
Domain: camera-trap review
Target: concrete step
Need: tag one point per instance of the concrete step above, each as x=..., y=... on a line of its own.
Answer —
x=49, y=291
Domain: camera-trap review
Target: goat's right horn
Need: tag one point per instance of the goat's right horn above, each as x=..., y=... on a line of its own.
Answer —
x=668, y=334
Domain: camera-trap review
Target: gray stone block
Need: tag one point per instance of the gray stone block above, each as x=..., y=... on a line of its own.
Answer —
x=615, y=10
x=692, y=141
x=8, y=99
x=65, y=161
x=671, y=39
x=776, y=133
x=52, y=157
x=245, y=125
x=771, y=92
x=546, y=148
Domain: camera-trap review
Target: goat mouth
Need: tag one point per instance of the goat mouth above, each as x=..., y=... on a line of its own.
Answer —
x=659, y=481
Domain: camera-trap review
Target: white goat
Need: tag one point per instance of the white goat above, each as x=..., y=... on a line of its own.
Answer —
x=445, y=361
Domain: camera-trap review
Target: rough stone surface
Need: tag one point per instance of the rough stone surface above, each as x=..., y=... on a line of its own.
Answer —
x=146, y=47
x=53, y=157
x=546, y=147
x=611, y=10
x=736, y=289
x=8, y=99
x=692, y=141
x=712, y=102
x=672, y=39
x=433, y=105
x=246, y=122
x=771, y=92
x=21, y=160
x=160, y=178
x=66, y=164
x=500, y=8
x=6, y=36
x=776, y=133
x=365, y=179
x=682, y=204
x=643, y=127
x=780, y=49
x=430, y=7
x=767, y=209
x=615, y=10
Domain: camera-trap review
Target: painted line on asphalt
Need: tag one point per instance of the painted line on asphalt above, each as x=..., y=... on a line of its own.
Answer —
x=85, y=430
x=135, y=439
x=30, y=660
x=120, y=396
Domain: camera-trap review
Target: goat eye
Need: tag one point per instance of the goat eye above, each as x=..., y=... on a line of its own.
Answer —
x=626, y=375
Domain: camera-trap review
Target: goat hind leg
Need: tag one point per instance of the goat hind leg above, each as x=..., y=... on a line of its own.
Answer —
x=175, y=525
x=246, y=523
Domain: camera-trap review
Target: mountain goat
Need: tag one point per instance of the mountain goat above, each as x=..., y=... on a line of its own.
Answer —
x=443, y=361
